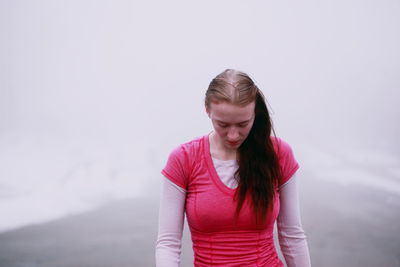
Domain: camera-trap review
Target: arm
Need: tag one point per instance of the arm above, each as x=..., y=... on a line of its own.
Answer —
x=292, y=239
x=170, y=225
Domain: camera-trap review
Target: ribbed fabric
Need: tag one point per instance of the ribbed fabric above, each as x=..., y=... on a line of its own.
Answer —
x=236, y=248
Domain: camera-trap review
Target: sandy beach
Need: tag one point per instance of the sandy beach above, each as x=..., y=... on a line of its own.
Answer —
x=345, y=227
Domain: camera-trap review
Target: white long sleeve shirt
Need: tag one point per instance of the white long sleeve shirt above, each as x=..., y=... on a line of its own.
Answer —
x=292, y=239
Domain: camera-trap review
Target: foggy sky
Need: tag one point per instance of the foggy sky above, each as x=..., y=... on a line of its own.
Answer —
x=329, y=69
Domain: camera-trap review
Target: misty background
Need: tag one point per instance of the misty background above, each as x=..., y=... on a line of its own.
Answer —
x=95, y=94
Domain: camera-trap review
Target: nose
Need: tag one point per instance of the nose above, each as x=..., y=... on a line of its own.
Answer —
x=233, y=134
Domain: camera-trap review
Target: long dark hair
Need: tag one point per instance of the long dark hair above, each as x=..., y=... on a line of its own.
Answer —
x=259, y=172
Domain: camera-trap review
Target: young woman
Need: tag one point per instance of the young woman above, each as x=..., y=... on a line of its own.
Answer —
x=233, y=184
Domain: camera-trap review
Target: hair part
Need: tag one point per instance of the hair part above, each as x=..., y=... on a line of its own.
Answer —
x=231, y=86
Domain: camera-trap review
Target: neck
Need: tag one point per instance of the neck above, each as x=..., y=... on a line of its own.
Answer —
x=218, y=150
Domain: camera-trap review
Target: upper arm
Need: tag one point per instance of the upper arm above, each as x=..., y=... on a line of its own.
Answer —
x=289, y=214
x=172, y=207
x=170, y=225
x=292, y=239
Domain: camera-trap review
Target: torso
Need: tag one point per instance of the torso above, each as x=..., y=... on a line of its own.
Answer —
x=210, y=209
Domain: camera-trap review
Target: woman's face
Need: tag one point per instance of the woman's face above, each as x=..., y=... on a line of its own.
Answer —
x=232, y=123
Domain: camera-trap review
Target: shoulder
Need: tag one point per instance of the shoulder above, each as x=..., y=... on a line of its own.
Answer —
x=189, y=149
x=181, y=161
x=189, y=152
x=282, y=148
x=286, y=158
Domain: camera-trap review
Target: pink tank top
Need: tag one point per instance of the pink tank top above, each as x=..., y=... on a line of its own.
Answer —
x=218, y=239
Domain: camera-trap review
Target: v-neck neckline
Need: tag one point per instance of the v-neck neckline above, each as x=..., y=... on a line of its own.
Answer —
x=211, y=169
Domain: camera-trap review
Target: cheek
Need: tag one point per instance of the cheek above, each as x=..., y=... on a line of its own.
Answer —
x=219, y=130
x=247, y=130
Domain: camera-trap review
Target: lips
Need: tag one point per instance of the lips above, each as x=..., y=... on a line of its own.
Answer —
x=233, y=143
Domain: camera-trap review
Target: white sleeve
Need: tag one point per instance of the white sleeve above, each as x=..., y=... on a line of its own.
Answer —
x=170, y=224
x=292, y=239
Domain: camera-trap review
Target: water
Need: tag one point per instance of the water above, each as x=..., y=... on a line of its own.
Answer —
x=376, y=169
x=52, y=178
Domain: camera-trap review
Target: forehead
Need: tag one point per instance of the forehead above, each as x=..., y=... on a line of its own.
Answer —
x=231, y=113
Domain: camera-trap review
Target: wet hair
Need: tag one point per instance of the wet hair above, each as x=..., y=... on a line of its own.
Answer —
x=259, y=172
